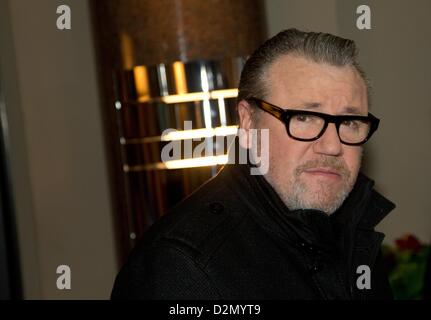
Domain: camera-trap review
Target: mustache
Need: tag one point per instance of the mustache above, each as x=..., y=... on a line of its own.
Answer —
x=335, y=164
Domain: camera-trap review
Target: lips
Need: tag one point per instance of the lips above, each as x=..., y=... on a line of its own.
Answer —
x=323, y=171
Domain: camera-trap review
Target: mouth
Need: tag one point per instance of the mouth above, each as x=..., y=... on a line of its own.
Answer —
x=323, y=172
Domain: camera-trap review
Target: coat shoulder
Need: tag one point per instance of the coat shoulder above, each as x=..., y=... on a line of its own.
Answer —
x=199, y=224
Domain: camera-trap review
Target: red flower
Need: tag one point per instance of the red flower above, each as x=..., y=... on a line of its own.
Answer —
x=408, y=242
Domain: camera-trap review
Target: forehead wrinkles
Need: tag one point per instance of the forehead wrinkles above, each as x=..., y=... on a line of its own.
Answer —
x=292, y=80
x=333, y=93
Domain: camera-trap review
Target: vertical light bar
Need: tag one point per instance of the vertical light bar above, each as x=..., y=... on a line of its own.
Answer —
x=180, y=77
x=206, y=102
x=207, y=114
x=204, y=79
x=222, y=111
x=141, y=82
x=207, y=109
x=161, y=72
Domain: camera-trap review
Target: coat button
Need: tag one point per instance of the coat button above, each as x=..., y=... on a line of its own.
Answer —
x=216, y=207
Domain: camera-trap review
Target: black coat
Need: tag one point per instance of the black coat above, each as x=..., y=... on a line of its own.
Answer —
x=235, y=239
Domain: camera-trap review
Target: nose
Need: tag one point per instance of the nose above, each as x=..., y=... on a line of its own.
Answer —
x=329, y=143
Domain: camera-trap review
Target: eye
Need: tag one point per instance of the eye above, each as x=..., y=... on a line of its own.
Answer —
x=351, y=124
x=303, y=118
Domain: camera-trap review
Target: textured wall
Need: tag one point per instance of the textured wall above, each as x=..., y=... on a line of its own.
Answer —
x=151, y=32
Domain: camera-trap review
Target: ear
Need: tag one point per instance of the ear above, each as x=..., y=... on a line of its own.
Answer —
x=245, y=124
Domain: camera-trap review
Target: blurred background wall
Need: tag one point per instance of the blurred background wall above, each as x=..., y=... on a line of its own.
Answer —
x=59, y=166
x=58, y=160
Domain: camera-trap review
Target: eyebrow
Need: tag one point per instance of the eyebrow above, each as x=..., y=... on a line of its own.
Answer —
x=346, y=110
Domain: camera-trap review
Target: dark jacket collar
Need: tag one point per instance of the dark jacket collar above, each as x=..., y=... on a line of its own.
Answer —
x=363, y=208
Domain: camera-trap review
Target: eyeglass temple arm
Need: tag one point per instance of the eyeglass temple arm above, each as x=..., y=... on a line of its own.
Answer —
x=277, y=112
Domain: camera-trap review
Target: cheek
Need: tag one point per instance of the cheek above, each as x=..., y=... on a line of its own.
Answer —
x=285, y=153
x=352, y=157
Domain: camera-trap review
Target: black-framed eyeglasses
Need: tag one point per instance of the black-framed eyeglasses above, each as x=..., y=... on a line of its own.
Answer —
x=304, y=125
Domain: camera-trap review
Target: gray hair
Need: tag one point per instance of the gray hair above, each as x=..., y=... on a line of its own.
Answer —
x=319, y=47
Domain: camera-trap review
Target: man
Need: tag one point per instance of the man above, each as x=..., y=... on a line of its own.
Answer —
x=305, y=228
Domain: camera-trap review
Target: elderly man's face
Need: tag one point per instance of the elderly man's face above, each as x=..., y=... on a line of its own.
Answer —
x=321, y=173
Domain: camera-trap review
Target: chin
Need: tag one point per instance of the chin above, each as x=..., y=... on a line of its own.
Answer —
x=327, y=207
x=322, y=191
x=325, y=197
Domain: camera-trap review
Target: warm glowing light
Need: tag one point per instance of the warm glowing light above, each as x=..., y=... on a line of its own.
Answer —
x=180, y=77
x=197, y=162
x=185, y=134
x=226, y=131
x=193, y=96
x=141, y=82
x=188, y=97
x=199, y=133
x=200, y=96
x=181, y=164
x=224, y=93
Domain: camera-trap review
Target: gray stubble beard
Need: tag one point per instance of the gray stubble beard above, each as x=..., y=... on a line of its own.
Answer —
x=296, y=195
